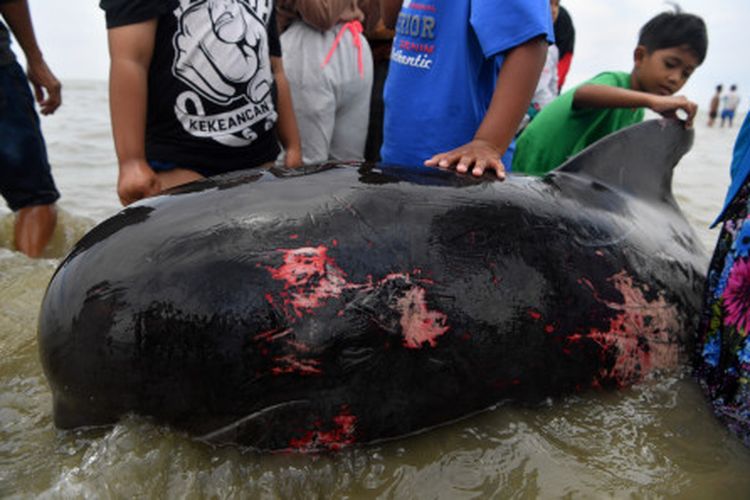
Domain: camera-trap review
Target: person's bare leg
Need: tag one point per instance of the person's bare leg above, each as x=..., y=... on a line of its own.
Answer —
x=34, y=227
x=177, y=177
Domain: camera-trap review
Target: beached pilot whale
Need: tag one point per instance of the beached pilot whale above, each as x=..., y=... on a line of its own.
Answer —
x=341, y=304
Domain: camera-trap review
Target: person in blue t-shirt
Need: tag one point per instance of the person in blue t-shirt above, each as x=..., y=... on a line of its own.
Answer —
x=723, y=360
x=461, y=78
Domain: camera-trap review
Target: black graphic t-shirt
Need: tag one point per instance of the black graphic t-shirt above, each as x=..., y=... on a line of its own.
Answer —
x=211, y=92
x=6, y=55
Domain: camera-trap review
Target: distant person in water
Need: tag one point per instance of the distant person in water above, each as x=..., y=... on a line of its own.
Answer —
x=731, y=102
x=26, y=180
x=670, y=47
x=713, y=110
x=723, y=361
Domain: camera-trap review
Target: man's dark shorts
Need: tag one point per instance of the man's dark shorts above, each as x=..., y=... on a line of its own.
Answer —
x=25, y=176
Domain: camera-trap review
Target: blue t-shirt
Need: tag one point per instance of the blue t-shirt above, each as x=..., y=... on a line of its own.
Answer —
x=740, y=166
x=444, y=66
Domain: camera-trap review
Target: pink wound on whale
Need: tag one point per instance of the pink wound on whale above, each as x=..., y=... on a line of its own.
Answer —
x=291, y=364
x=342, y=434
x=642, y=334
x=418, y=323
x=310, y=278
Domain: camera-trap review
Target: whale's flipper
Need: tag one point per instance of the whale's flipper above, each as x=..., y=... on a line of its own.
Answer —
x=637, y=159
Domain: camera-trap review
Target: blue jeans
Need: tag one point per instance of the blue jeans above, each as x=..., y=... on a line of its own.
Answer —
x=25, y=175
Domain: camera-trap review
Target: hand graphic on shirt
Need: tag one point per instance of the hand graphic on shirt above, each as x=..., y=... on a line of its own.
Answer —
x=221, y=51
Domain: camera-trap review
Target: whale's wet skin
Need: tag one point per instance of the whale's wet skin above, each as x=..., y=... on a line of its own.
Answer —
x=653, y=439
x=336, y=305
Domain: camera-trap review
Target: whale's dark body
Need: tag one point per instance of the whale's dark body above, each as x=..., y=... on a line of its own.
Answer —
x=347, y=304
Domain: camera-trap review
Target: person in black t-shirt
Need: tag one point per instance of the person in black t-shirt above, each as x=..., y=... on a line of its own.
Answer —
x=197, y=88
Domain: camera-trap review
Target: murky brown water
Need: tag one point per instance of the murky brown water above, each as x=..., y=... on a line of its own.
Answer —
x=654, y=440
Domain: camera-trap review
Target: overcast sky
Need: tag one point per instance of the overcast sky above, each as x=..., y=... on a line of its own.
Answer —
x=73, y=37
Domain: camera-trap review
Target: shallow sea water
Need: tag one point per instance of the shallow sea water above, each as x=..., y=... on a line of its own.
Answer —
x=655, y=440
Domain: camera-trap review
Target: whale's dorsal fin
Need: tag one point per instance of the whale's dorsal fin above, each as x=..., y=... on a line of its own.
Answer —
x=637, y=159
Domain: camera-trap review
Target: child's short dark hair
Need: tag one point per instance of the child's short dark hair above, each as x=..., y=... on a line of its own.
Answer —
x=675, y=29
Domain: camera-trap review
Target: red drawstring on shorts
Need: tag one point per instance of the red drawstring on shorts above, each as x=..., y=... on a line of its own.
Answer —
x=356, y=29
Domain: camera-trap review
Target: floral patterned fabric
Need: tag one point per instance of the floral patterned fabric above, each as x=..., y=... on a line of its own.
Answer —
x=723, y=362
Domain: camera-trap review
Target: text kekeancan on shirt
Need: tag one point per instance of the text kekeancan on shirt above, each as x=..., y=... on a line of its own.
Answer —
x=211, y=91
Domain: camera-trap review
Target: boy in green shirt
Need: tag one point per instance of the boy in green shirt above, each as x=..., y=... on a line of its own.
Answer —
x=670, y=47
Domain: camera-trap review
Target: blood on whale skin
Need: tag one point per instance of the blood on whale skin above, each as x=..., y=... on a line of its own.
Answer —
x=341, y=304
x=310, y=277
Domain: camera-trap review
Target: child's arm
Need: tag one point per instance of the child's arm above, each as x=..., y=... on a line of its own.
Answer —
x=515, y=86
x=389, y=9
x=287, y=126
x=18, y=18
x=130, y=51
x=604, y=96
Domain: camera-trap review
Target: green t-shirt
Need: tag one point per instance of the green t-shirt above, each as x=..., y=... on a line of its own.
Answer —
x=559, y=131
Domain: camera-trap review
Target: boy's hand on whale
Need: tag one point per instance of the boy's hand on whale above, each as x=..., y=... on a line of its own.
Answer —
x=668, y=107
x=478, y=156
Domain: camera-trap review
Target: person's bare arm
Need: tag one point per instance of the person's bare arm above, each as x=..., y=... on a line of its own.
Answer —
x=591, y=96
x=515, y=86
x=286, y=13
x=287, y=126
x=131, y=48
x=18, y=17
x=389, y=10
